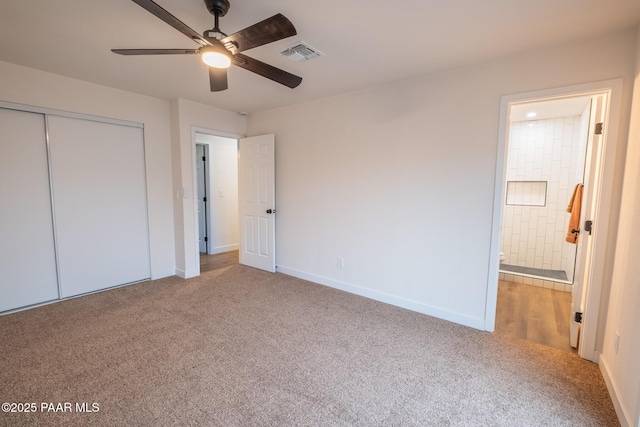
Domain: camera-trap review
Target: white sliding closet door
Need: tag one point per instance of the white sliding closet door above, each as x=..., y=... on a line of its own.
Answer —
x=27, y=254
x=99, y=199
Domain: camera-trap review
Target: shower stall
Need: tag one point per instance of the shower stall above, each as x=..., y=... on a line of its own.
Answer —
x=546, y=160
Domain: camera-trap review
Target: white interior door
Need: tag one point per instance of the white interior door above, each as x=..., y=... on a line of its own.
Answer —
x=99, y=195
x=27, y=253
x=584, y=252
x=256, y=189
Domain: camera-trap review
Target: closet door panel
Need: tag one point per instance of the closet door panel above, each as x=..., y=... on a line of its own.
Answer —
x=27, y=253
x=99, y=196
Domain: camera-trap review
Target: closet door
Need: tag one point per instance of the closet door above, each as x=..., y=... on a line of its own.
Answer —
x=27, y=254
x=99, y=199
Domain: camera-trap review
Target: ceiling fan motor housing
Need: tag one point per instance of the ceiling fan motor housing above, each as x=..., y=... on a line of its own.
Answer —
x=213, y=35
x=219, y=7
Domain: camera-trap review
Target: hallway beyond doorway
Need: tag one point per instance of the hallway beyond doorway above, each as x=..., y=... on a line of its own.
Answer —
x=214, y=262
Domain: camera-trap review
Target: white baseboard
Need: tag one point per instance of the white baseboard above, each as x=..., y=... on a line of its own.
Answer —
x=186, y=274
x=623, y=415
x=226, y=248
x=419, y=307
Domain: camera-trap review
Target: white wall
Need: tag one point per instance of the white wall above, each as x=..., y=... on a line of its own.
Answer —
x=169, y=153
x=621, y=367
x=32, y=87
x=547, y=151
x=186, y=118
x=222, y=165
x=398, y=180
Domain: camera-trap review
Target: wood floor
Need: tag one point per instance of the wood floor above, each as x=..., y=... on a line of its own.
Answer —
x=535, y=314
x=213, y=262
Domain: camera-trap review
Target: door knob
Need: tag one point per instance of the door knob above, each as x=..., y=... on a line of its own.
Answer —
x=575, y=231
x=270, y=211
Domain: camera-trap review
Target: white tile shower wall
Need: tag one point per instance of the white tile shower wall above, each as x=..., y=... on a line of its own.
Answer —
x=549, y=150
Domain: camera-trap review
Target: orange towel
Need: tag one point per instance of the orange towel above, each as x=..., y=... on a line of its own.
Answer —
x=574, y=220
x=573, y=197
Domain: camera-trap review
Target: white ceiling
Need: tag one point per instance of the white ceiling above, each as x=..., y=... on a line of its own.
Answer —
x=564, y=107
x=366, y=42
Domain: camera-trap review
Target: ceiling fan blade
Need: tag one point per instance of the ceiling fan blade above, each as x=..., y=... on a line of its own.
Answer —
x=161, y=13
x=266, y=70
x=270, y=30
x=154, y=51
x=218, y=79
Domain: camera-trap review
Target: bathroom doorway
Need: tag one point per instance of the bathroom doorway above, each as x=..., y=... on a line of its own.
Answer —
x=588, y=263
x=546, y=155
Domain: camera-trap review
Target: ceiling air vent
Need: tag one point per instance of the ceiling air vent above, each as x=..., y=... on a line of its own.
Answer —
x=301, y=51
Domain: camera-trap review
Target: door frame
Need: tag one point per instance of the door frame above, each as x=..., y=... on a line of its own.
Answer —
x=194, y=181
x=207, y=196
x=613, y=88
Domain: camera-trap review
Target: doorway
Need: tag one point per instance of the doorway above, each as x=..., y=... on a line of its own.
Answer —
x=216, y=179
x=546, y=155
x=589, y=268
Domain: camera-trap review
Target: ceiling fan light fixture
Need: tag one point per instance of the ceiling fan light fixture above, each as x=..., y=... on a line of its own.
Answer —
x=216, y=56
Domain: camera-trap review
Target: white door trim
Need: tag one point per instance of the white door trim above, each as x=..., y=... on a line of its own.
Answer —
x=194, y=182
x=593, y=297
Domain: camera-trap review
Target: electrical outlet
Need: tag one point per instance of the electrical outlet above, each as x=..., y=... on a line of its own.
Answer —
x=340, y=262
x=616, y=345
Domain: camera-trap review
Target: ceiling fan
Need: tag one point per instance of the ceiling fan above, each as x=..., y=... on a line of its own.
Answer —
x=218, y=50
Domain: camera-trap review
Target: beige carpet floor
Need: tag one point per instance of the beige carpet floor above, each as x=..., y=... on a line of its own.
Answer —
x=241, y=347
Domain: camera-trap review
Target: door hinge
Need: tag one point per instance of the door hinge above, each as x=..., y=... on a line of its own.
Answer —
x=599, y=128
x=204, y=199
x=206, y=239
x=588, y=226
x=204, y=158
x=578, y=317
